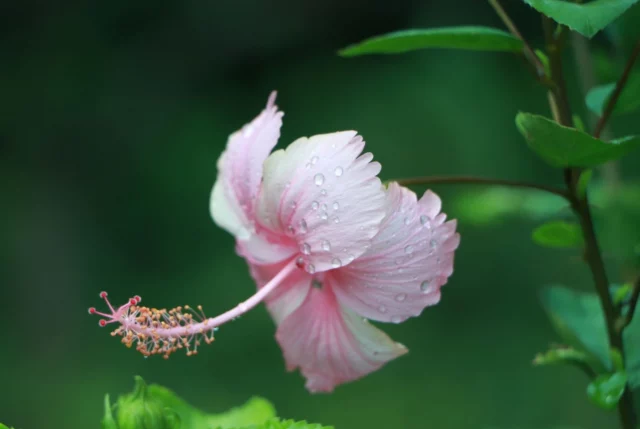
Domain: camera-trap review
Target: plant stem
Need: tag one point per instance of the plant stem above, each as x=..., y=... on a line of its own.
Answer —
x=580, y=205
x=616, y=93
x=531, y=56
x=472, y=180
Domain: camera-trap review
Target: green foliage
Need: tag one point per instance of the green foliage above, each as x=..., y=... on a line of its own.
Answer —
x=484, y=206
x=558, y=234
x=158, y=407
x=286, y=424
x=562, y=355
x=142, y=410
x=607, y=389
x=583, y=183
x=579, y=320
x=4, y=426
x=628, y=101
x=568, y=147
x=469, y=38
x=622, y=293
x=586, y=18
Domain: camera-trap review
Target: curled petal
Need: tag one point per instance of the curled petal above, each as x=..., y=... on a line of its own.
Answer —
x=323, y=194
x=408, y=262
x=240, y=171
x=332, y=345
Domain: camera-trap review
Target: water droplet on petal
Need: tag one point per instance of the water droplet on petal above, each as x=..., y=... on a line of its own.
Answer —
x=300, y=262
x=338, y=171
x=315, y=205
x=401, y=297
x=311, y=269
x=350, y=258
x=305, y=248
x=323, y=192
x=335, y=205
x=336, y=263
x=336, y=219
x=314, y=160
x=407, y=221
x=433, y=244
x=408, y=249
x=425, y=286
x=324, y=207
x=326, y=245
x=382, y=309
x=303, y=227
x=293, y=204
x=324, y=216
x=290, y=229
x=396, y=319
x=318, y=179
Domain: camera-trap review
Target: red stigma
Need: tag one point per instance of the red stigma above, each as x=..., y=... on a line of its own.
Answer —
x=137, y=298
x=103, y=295
x=92, y=310
x=133, y=301
x=102, y=323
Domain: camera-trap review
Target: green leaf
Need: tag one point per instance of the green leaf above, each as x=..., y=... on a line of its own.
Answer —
x=108, y=421
x=545, y=61
x=583, y=183
x=494, y=204
x=568, y=147
x=628, y=101
x=607, y=389
x=586, y=18
x=287, y=424
x=558, y=234
x=579, y=320
x=4, y=426
x=577, y=122
x=470, y=38
x=254, y=411
x=621, y=293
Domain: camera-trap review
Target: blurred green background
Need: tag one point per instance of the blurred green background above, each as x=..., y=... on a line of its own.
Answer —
x=114, y=114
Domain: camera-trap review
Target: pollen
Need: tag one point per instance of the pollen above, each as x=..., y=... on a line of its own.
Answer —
x=153, y=331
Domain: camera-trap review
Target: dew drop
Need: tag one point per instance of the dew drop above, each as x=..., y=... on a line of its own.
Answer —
x=305, y=248
x=401, y=297
x=303, y=227
x=336, y=219
x=315, y=205
x=338, y=171
x=382, y=309
x=290, y=229
x=324, y=207
x=336, y=263
x=326, y=245
x=407, y=221
x=318, y=179
x=314, y=160
x=396, y=319
x=433, y=244
x=323, y=192
x=293, y=204
x=335, y=205
x=408, y=249
x=350, y=258
x=425, y=286
x=300, y=262
x=324, y=216
x=311, y=268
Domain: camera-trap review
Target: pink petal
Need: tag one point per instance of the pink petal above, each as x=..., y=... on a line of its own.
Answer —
x=240, y=171
x=326, y=198
x=288, y=296
x=408, y=262
x=332, y=345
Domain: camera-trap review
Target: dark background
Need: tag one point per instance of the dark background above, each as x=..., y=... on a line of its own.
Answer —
x=113, y=116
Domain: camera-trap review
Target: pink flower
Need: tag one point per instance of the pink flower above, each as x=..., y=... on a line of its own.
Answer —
x=361, y=251
x=328, y=246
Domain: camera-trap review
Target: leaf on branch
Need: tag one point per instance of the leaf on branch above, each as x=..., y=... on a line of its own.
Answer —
x=558, y=234
x=585, y=18
x=628, y=101
x=286, y=424
x=469, y=38
x=564, y=147
x=607, y=389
